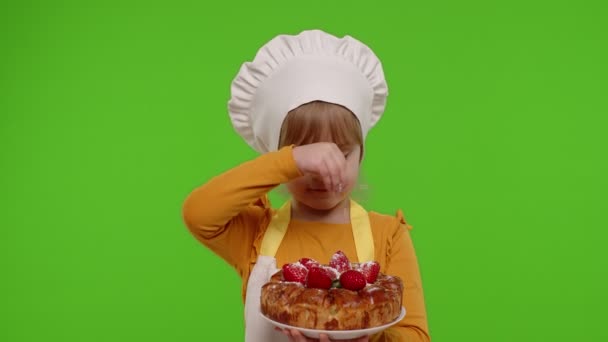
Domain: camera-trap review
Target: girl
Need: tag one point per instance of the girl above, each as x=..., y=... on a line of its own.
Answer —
x=306, y=103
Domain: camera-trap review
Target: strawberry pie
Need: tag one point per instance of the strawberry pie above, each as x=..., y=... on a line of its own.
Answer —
x=339, y=296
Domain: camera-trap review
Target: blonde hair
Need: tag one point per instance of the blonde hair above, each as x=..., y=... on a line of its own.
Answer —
x=320, y=121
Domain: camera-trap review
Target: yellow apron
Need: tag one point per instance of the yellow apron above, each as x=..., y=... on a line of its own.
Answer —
x=256, y=328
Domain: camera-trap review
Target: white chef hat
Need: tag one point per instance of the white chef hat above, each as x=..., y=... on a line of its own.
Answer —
x=290, y=71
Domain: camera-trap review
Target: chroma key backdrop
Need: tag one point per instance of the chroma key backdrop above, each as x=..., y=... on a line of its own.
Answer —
x=493, y=144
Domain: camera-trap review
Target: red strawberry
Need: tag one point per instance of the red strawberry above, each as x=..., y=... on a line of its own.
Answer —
x=331, y=272
x=370, y=270
x=340, y=262
x=318, y=278
x=295, y=272
x=352, y=280
x=309, y=263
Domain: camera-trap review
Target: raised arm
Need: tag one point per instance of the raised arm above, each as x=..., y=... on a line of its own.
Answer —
x=224, y=212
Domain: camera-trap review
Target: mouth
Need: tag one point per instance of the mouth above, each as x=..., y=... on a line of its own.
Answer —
x=318, y=190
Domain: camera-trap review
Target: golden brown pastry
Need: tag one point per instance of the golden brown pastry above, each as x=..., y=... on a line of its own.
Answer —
x=338, y=296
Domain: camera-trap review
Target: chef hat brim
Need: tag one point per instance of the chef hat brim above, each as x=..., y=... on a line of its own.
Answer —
x=290, y=71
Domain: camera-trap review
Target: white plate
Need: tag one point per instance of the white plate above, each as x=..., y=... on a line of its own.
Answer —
x=338, y=334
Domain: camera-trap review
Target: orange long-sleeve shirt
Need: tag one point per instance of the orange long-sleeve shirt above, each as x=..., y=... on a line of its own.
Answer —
x=230, y=213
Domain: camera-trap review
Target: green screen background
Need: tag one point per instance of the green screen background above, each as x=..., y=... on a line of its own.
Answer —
x=493, y=143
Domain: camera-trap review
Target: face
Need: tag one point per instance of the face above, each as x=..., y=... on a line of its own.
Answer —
x=310, y=190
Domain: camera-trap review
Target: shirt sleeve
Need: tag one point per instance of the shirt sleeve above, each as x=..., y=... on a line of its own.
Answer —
x=402, y=262
x=224, y=214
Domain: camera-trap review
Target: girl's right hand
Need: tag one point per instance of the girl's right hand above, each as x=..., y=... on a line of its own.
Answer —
x=295, y=336
x=322, y=160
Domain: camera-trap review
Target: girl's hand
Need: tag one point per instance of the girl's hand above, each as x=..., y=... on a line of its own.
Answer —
x=295, y=336
x=324, y=161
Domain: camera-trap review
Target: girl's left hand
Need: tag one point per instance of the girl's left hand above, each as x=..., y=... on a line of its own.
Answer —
x=295, y=336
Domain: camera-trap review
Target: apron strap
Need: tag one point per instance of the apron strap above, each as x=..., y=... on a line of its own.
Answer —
x=362, y=232
x=276, y=231
x=359, y=219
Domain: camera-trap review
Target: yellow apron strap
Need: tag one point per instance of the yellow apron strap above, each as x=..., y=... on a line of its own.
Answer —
x=359, y=219
x=276, y=231
x=362, y=232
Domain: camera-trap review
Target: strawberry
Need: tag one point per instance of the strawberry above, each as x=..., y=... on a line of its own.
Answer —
x=331, y=272
x=340, y=262
x=370, y=270
x=295, y=272
x=309, y=263
x=318, y=278
x=352, y=280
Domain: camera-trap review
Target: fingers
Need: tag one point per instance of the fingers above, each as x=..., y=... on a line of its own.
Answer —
x=340, y=164
x=286, y=333
x=323, y=160
x=298, y=337
x=324, y=338
x=335, y=166
x=293, y=335
x=331, y=177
